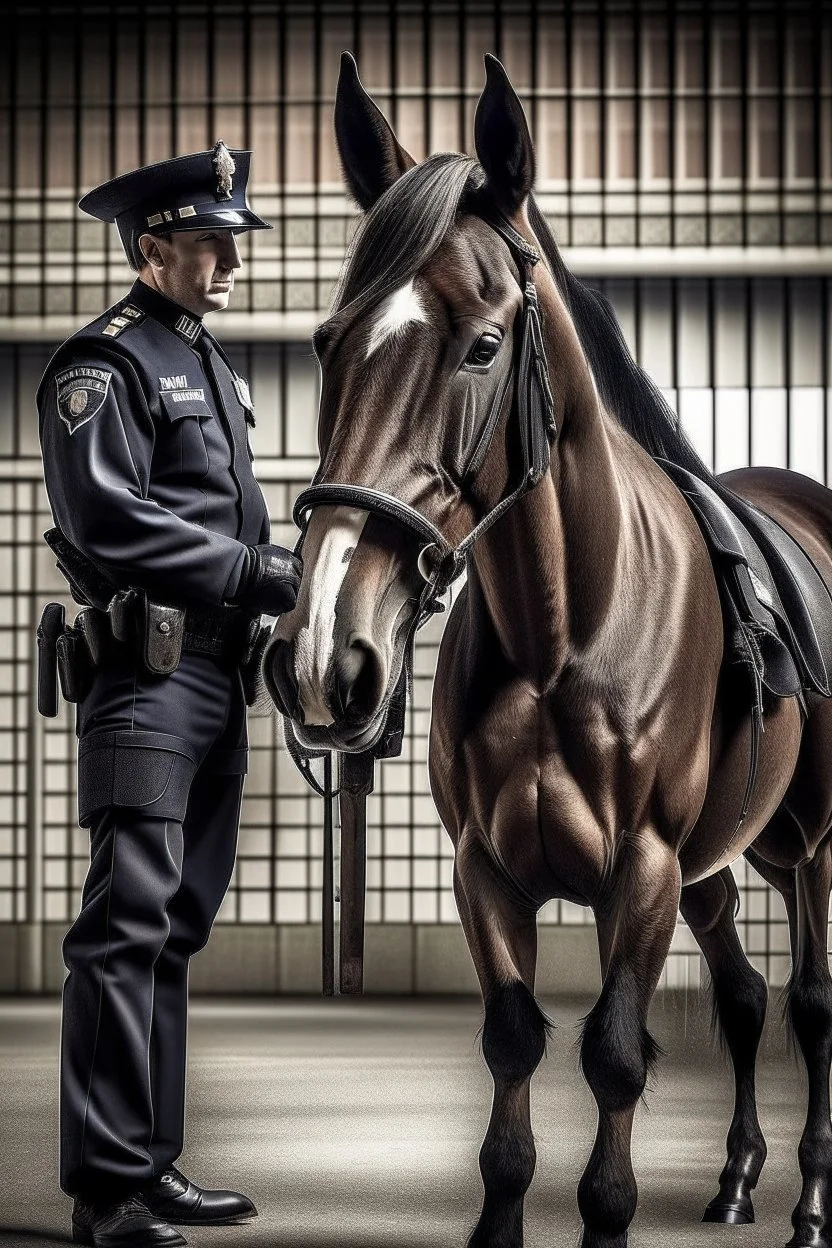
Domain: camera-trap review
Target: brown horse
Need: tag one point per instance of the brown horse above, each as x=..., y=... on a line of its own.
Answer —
x=588, y=741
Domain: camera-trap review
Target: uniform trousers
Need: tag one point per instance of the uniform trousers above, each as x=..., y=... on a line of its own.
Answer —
x=166, y=756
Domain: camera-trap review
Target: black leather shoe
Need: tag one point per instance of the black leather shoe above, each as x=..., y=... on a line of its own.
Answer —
x=177, y=1200
x=126, y=1223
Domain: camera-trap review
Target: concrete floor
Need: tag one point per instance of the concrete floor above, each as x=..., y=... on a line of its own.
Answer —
x=357, y=1124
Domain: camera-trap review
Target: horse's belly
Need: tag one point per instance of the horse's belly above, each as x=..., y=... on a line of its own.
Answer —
x=715, y=841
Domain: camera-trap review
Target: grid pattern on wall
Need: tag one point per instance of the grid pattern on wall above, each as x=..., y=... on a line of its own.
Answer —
x=684, y=125
x=749, y=370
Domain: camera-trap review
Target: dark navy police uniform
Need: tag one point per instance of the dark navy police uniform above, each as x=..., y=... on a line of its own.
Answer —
x=144, y=430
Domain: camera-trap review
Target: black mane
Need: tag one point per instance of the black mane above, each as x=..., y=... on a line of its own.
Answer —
x=396, y=238
x=626, y=390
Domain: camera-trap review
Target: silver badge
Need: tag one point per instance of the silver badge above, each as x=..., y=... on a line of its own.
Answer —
x=223, y=168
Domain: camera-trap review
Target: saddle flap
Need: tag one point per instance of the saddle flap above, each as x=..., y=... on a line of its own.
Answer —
x=801, y=588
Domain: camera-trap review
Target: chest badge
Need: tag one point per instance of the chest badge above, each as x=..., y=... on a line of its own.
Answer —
x=81, y=393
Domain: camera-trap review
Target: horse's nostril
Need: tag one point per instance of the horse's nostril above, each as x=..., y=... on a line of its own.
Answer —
x=357, y=683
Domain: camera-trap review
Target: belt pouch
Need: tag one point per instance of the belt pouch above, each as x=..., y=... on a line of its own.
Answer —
x=52, y=624
x=75, y=671
x=161, y=630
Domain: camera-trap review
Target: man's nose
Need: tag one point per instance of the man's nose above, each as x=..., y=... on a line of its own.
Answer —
x=230, y=254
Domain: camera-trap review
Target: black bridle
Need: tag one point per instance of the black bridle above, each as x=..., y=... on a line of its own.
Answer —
x=533, y=403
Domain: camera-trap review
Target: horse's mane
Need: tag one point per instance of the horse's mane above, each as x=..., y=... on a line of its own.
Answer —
x=626, y=390
x=408, y=224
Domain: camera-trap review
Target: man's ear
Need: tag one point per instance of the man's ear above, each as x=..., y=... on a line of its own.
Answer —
x=150, y=251
x=502, y=140
x=371, y=156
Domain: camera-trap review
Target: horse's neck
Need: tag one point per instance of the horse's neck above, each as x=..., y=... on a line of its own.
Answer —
x=548, y=568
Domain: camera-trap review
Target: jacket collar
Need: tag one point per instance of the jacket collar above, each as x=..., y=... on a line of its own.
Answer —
x=184, y=324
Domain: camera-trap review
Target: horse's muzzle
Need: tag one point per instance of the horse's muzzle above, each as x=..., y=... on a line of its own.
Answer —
x=279, y=677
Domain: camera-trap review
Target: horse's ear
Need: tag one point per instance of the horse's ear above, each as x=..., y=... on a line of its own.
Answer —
x=371, y=156
x=502, y=139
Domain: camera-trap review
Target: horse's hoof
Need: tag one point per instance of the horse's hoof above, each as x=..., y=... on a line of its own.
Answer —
x=729, y=1215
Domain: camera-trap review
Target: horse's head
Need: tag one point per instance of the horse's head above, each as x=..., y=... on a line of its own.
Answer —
x=424, y=359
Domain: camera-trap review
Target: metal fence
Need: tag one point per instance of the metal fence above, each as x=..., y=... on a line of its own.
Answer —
x=684, y=160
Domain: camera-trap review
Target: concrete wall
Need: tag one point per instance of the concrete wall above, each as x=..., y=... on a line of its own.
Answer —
x=412, y=959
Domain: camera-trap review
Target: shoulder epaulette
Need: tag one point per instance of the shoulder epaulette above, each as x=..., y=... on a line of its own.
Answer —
x=127, y=315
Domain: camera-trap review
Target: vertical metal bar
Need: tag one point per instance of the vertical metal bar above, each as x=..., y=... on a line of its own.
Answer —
x=44, y=168
x=602, y=114
x=173, y=83
x=281, y=174
x=787, y=363
x=567, y=46
x=78, y=116
x=706, y=116
x=211, y=66
x=781, y=123
x=817, y=149
x=709, y=289
x=316, y=148
x=248, y=95
x=427, y=117
x=824, y=370
x=141, y=59
x=14, y=58
x=30, y=963
x=671, y=117
x=328, y=890
x=638, y=112
x=393, y=52
x=749, y=360
x=744, y=107
x=462, y=137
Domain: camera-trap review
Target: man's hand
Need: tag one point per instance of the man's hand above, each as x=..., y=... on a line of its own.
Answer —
x=272, y=581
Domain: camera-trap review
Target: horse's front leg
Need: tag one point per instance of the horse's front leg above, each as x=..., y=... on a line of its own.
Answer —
x=502, y=937
x=635, y=919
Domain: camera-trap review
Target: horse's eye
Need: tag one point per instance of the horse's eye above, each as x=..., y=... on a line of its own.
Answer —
x=483, y=352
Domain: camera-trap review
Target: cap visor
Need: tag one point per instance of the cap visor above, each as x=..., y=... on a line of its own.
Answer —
x=222, y=219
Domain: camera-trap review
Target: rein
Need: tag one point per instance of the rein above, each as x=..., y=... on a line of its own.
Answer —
x=441, y=564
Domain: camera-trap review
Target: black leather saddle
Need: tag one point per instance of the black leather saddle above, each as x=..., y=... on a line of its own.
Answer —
x=776, y=606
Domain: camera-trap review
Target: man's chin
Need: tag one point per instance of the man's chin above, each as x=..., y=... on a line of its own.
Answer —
x=216, y=299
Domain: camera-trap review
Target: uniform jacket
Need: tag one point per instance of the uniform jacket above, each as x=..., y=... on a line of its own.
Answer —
x=145, y=451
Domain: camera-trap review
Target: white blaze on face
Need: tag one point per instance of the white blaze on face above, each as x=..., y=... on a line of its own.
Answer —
x=314, y=642
x=401, y=308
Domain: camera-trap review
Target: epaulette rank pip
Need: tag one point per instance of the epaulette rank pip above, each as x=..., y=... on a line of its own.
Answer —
x=127, y=315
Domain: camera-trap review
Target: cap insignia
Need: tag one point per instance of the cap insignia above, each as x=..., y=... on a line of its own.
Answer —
x=223, y=168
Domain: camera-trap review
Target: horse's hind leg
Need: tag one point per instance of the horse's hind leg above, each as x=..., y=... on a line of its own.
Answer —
x=634, y=933
x=502, y=938
x=740, y=998
x=810, y=1012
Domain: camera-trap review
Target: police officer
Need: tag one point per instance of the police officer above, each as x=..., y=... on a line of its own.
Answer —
x=144, y=432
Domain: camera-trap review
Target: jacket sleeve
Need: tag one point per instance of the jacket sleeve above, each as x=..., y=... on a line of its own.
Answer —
x=97, y=444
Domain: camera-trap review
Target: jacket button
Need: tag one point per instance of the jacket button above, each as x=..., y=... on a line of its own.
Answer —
x=164, y=627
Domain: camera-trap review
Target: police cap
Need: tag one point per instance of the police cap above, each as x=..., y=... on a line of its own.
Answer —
x=206, y=190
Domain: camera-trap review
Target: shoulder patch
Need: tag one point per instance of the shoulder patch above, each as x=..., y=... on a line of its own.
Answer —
x=127, y=315
x=81, y=393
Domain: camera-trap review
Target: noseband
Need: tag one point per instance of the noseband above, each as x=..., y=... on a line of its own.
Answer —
x=534, y=408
